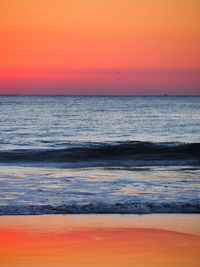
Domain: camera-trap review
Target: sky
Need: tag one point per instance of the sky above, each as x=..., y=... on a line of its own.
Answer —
x=120, y=47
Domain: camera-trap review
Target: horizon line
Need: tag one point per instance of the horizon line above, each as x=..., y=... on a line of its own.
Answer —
x=165, y=94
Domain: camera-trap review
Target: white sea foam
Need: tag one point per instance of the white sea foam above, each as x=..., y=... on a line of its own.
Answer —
x=99, y=190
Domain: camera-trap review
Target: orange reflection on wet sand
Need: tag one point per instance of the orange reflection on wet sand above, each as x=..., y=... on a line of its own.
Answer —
x=94, y=245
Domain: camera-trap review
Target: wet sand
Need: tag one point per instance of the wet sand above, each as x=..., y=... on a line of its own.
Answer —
x=100, y=240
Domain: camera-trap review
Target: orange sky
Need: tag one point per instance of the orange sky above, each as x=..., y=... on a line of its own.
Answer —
x=94, y=47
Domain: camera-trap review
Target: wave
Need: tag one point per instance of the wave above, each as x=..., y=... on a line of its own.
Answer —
x=103, y=208
x=110, y=154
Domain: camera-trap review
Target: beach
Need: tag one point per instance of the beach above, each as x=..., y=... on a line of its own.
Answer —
x=99, y=181
x=100, y=240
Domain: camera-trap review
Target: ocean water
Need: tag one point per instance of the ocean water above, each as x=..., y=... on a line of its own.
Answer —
x=99, y=154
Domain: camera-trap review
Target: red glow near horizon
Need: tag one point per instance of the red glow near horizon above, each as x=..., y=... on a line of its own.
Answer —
x=100, y=47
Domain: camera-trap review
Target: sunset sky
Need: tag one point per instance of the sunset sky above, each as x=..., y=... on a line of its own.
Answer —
x=99, y=47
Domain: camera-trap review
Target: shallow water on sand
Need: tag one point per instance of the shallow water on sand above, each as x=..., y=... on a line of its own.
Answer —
x=104, y=241
x=26, y=190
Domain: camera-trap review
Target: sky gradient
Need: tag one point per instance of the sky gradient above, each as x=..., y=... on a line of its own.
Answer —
x=99, y=47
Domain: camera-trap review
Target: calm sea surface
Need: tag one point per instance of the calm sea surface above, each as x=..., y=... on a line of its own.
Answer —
x=95, y=154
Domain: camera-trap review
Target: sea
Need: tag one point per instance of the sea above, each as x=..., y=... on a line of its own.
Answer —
x=99, y=154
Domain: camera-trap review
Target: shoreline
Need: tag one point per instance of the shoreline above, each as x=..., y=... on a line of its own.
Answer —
x=137, y=208
x=185, y=223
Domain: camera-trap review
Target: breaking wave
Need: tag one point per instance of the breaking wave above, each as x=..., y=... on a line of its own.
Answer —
x=107, y=154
